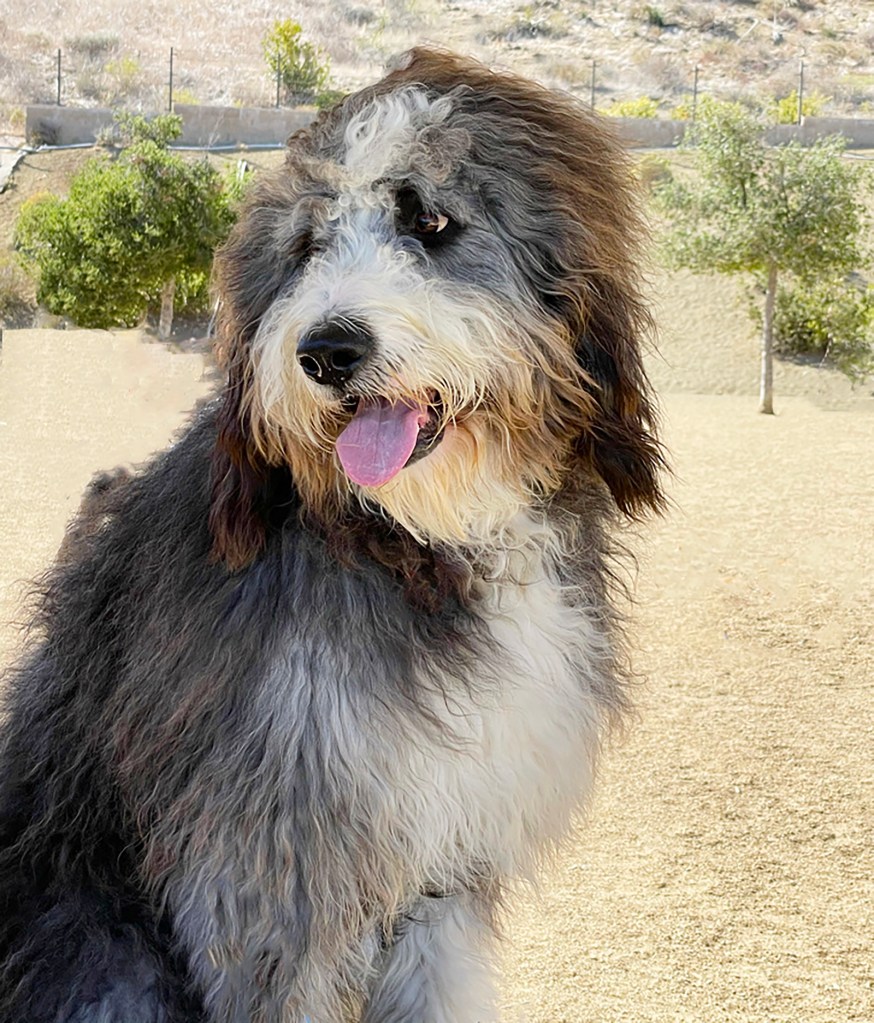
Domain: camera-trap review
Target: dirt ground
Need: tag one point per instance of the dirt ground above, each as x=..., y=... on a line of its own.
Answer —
x=727, y=869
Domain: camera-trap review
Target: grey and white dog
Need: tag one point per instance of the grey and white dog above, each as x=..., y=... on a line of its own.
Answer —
x=317, y=682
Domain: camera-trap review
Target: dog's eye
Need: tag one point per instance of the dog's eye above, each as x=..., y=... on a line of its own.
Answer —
x=430, y=223
x=415, y=219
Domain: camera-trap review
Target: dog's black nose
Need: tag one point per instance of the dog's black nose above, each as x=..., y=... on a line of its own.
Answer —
x=333, y=353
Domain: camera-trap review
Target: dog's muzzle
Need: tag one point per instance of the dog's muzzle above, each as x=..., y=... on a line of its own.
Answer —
x=384, y=434
x=333, y=353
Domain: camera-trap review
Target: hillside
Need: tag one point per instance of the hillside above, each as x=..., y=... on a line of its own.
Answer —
x=641, y=49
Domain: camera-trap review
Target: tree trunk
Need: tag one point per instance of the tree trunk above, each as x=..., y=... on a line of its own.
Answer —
x=165, y=323
x=766, y=393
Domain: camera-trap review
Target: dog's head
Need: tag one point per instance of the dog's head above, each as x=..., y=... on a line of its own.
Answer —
x=433, y=311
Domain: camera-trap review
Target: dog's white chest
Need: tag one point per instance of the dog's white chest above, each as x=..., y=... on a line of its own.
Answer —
x=520, y=737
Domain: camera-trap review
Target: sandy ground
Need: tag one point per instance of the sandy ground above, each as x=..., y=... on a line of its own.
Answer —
x=727, y=870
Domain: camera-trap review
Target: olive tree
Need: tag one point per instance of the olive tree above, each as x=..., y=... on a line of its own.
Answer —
x=764, y=211
x=133, y=231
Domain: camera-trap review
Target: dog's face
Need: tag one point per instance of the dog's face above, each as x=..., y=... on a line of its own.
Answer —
x=432, y=311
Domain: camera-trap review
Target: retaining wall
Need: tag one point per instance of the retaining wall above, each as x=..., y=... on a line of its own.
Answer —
x=64, y=126
x=201, y=125
x=215, y=126
x=218, y=126
x=650, y=132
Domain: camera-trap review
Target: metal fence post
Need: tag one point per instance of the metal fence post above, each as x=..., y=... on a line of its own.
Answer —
x=800, y=91
x=592, y=95
x=59, y=77
x=170, y=85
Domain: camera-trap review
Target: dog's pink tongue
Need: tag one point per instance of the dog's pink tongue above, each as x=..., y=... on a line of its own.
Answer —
x=379, y=440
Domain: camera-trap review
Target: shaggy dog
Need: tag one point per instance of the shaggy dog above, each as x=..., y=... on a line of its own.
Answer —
x=311, y=687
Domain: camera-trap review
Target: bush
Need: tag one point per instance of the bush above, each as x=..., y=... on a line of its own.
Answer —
x=125, y=79
x=653, y=171
x=93, y=46
x=785, y=110
x=684, y=110
x=302, y=68
x=654, y=17
x=831, y=321
x=641, y=107
x=531, y=22
x=329, y=98
x=129, y=227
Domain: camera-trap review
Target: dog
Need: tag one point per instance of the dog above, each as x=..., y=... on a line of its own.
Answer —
x=315, y=685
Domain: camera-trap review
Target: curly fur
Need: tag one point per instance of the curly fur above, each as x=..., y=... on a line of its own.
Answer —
x=282, y=740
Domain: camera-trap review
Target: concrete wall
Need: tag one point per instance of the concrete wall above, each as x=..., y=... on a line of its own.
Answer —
x=216, y=126
x=64, y=126
x=650, y=132
x=201, y=126
x=660, y=133
x=858, y=131
x=205, y=126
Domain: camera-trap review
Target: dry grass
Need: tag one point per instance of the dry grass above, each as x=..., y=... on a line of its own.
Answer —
x=744, y=48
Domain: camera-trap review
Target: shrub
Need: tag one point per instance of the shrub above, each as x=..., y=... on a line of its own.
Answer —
x=93, y=46
x=533, y=21
x=302, y=68
x=652, y=171
x=130, y=230
x=360, y=15
x=684, y=110
x=184, y=95
x=15, y=300
x=785, y=110
x=126, y=78
x=133, y=129
x=829, y=320
x=641, y=107
x=328, y=98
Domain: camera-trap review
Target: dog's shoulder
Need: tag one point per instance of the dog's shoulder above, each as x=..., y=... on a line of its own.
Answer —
x=142, y=511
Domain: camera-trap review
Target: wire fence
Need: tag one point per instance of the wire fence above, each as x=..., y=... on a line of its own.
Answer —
x=82, y=77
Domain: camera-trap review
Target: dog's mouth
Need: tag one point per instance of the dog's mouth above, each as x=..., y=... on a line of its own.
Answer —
x=384, y=436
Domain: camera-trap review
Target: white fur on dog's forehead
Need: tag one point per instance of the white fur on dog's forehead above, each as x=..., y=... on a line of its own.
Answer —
x=381, y=137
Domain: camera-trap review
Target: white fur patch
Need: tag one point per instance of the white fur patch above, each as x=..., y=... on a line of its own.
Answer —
x=380, y=137
x=526, y=742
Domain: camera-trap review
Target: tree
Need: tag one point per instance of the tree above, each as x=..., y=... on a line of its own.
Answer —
x=763, y=211
x=303, y=69
x=133, y=231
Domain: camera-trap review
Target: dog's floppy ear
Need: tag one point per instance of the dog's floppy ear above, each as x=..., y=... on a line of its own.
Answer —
x=620, y=443
x=249, y=272
x=239, y=478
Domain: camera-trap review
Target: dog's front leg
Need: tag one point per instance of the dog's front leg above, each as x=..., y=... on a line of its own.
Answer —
x=438, y=968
